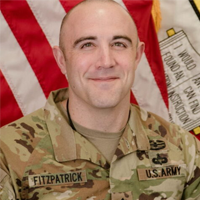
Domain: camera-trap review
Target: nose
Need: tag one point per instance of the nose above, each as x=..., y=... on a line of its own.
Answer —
x=106, y=57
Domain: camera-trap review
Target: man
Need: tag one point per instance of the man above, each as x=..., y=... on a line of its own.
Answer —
x=88, y=142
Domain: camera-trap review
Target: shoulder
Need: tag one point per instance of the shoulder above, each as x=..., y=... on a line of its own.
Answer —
x=27, y=124
x=154, y=124
x=24, y=133
x=151, y=121
x=18, y=141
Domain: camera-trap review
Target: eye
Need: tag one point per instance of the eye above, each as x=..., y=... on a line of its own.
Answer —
x=86, y=45
x=119, y=44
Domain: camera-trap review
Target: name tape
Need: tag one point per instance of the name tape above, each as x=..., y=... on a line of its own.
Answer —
x=159, y=173
x=57, y=179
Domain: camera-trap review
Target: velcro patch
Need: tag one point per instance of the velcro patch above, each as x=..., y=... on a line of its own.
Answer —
x=38, y=180
x=157, y=144
x=159, y=173
x=159, y=158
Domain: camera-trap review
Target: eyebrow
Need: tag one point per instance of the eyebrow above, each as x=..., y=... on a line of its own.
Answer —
x=94, y=38
x=122, y=37
x=83, y=39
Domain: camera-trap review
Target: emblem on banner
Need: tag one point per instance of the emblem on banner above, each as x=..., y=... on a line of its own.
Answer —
x=196, y=130
x=181, y=60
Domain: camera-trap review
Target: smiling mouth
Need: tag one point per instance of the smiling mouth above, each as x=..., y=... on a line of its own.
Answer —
x=104, y=79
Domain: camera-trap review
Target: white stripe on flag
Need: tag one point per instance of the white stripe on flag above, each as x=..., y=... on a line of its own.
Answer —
x=49, y=15
x=18, y=73
x=121, y=3
x=146, y=90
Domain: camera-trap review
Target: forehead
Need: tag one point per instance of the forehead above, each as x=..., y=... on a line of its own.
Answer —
x=98, y=15
x=92, y=5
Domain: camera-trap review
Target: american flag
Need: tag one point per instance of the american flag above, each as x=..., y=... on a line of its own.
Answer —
x=29, y=30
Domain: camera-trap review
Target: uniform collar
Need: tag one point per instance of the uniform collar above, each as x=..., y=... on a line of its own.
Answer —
x=134, y=137
x=62, y=135
x=69, y=145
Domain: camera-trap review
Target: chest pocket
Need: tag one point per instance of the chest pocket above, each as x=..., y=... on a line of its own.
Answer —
x=165, y=176
x=71, y=184
x=150, y=174
x=162, y=182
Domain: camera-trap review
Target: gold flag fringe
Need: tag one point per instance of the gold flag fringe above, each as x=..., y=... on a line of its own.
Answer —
x=156, y=13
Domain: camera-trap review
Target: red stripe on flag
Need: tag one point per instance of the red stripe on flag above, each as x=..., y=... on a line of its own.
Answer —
x=197, y=136
x=133, y=99
x=141, y=13
x=8, y=103
x=68, y=5
x=34, y=44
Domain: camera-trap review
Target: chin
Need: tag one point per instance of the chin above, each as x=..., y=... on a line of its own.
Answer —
x=105, y=103
x=108, y=99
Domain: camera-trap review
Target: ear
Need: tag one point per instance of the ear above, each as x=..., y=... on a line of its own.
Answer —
x=139, y=52
x=60, y=59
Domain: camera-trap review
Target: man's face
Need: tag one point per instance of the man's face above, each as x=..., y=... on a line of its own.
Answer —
x=100, y=54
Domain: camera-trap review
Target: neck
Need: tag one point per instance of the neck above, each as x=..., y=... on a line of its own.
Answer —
x=106, y=120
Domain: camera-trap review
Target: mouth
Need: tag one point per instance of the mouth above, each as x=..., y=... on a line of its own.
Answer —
x=104, y=79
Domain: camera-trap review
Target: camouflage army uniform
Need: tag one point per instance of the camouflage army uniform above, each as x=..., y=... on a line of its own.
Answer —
x=42, y=157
